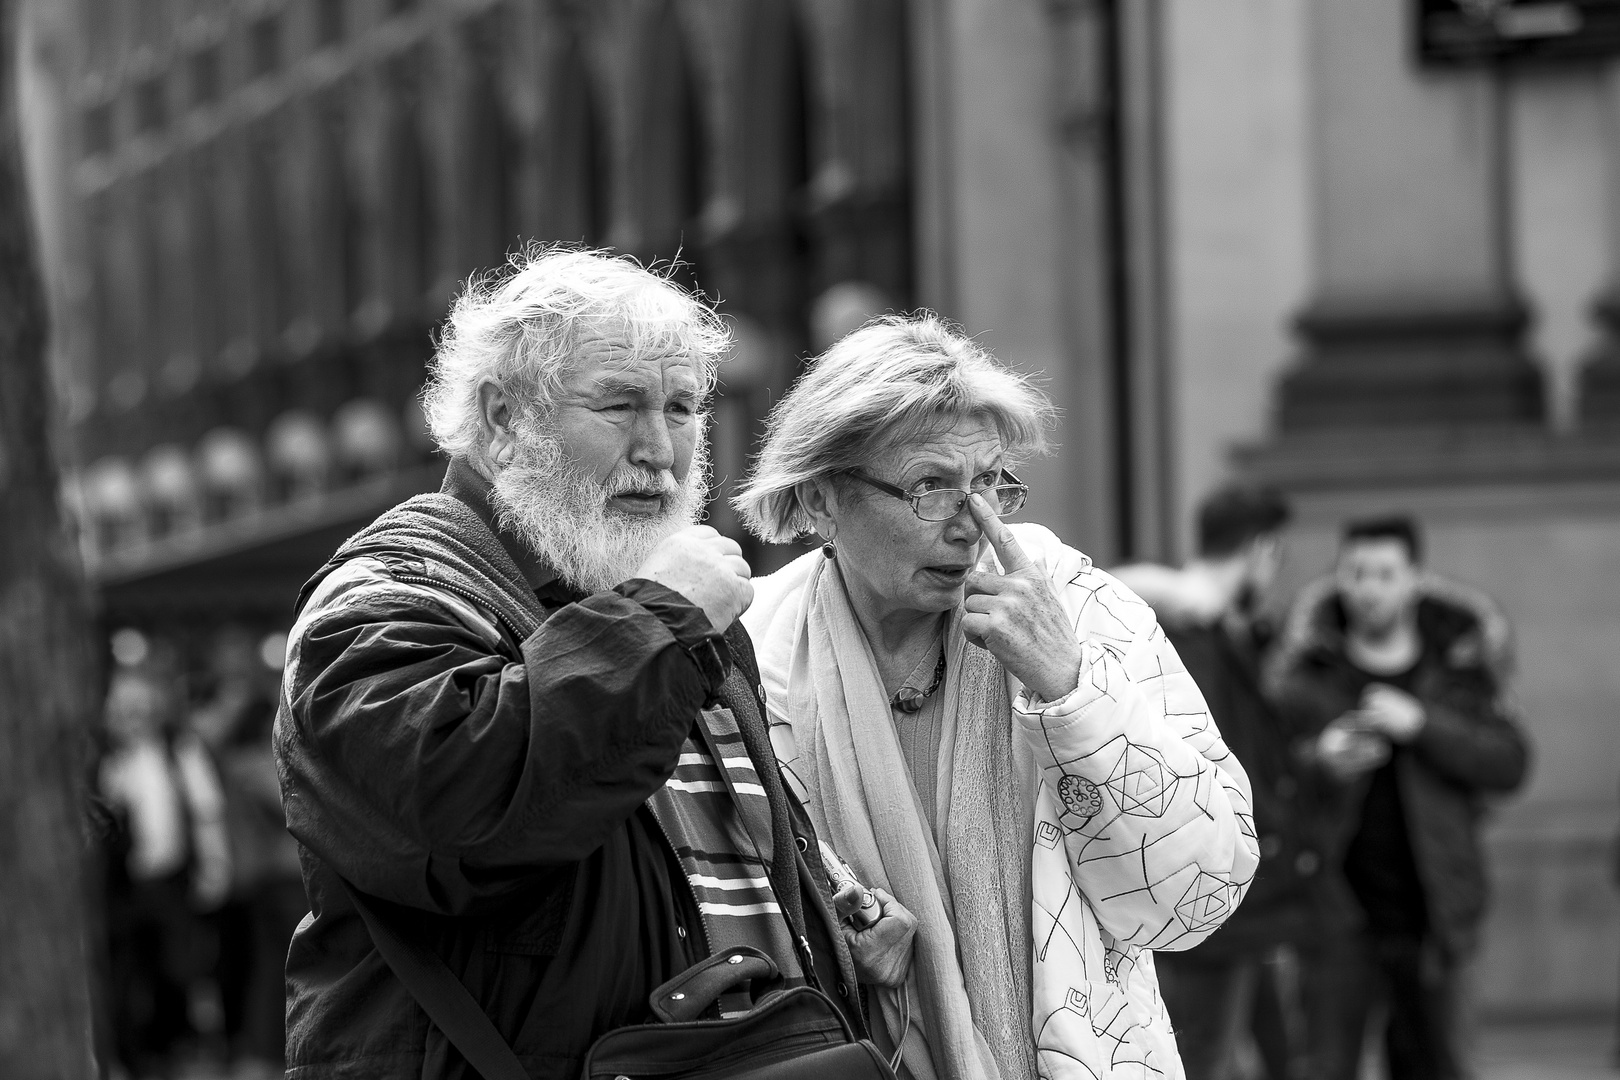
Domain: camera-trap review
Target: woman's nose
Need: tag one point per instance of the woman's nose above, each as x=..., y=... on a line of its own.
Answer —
x=964, y=527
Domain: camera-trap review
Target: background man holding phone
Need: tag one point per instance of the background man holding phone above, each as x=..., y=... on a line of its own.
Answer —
x=1393, y=683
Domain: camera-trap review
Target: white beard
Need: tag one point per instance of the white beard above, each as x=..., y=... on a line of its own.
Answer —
x=563, y=516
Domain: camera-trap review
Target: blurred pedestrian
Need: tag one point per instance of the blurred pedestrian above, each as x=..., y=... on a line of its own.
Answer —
x=171, y=861
x=1393, y=684
x=266, y=899
x=1241, y=983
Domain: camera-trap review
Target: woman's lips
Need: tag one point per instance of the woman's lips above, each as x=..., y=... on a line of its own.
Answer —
x=953, y=574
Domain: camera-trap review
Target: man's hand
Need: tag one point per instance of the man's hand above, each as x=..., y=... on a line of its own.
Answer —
x=1347, y=749
x=882, y=952
x=1016, y=617
x=1394, y=714
x=706, y=568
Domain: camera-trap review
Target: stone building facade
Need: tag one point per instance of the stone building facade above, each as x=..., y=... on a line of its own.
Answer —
x=268, y=206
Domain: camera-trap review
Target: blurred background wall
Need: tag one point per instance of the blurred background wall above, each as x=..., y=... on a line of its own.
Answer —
x=1366, y=251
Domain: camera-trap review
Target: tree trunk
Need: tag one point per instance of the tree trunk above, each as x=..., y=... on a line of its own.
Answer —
x=45, y=669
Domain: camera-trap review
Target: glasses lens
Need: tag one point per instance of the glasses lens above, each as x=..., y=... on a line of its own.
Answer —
x=941, y=505
x=1008, y=498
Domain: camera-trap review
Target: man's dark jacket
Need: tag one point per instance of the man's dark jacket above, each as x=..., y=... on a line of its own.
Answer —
x=490, y=794
x=1224, y=659
x=1467, y=749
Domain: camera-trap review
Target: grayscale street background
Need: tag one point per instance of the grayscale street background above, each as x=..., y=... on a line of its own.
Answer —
x=1368, y=252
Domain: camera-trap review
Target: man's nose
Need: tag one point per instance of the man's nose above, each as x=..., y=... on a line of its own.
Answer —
x=651, y=446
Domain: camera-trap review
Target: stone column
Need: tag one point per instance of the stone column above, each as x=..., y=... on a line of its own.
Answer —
x=1415, y=320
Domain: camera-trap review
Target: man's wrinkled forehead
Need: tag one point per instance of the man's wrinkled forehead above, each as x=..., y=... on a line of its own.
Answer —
x=603, y=348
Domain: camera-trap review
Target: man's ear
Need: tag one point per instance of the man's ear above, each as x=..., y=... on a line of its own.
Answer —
x=495, y=420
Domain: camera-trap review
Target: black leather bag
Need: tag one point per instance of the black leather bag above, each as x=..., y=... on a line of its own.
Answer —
x=793, y=1034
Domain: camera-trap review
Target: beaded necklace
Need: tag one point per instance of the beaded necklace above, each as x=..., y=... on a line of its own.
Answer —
x=909, y=699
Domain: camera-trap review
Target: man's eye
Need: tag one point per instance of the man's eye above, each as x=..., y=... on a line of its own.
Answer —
x=618, y=406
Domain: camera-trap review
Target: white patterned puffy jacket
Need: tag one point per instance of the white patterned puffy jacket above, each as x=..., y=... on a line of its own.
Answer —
x=1144, y=835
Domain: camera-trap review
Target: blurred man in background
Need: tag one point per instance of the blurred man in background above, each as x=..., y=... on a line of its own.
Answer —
x=1394, y=688
x=1242, y=980
x=266, y=899
x=169, y=860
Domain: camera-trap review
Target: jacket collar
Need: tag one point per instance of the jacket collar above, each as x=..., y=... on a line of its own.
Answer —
x=462, y=482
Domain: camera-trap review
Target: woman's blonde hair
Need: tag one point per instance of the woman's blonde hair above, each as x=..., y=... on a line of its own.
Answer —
x=897, y=377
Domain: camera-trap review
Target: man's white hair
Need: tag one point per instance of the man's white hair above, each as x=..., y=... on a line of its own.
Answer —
x=520, y=328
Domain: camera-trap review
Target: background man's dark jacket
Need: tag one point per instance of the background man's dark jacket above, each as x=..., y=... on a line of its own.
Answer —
x=1467, y=748
x=490, y=792
x=1225, y=662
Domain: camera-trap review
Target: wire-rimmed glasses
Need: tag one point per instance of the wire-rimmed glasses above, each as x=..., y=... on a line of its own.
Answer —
x=942, y=504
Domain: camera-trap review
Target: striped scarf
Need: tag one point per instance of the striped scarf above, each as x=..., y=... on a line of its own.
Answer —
x=718, y=819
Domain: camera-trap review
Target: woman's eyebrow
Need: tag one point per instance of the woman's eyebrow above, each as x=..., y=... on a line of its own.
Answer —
x=944, y=466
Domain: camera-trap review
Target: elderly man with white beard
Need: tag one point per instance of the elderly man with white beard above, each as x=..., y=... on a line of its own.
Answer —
x=520, y=738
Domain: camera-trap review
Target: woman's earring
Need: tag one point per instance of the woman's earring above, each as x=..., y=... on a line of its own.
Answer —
x=829, y=551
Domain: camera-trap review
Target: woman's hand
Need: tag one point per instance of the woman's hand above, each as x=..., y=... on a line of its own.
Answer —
x=882, y=952
x=1016, y=617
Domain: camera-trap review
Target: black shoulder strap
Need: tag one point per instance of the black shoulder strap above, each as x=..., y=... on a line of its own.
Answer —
x=442, y=996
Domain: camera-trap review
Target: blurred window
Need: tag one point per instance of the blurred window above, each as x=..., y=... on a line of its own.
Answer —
x=150, y=106
x=575, y=195
x=98, y=129
x=205, y=76
x=342, y=218
x=329, y=22
x=412, y=224
x=489, y=158
x=264, y=45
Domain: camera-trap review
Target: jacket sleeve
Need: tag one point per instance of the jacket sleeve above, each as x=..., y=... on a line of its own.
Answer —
x=1472, y=744
x=429, y=768
x=1154, y=809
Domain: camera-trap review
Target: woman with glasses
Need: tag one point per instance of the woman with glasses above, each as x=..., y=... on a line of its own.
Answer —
x=983, y=723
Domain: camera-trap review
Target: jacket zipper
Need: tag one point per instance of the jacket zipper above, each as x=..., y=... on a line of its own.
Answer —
x=481, y=604
x=686, y=883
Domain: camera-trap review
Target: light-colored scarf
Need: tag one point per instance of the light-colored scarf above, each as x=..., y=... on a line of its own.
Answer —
x=969, y=985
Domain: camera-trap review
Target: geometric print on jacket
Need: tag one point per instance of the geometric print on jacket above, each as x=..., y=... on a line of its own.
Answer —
x=1144, y=829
